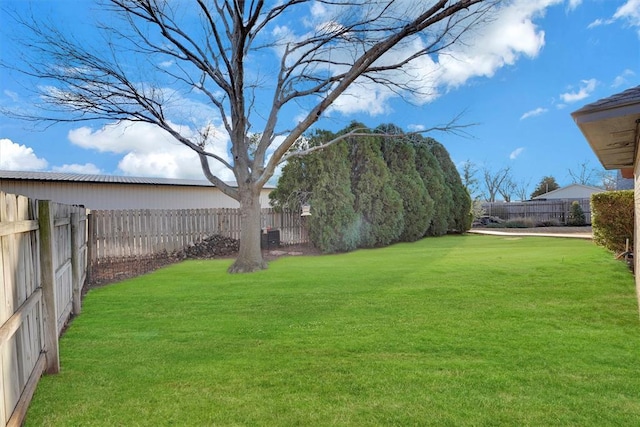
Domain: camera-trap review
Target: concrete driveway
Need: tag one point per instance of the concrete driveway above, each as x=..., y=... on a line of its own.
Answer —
x=570, y=232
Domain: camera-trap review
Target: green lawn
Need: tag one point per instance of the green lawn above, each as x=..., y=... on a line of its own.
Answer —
x=460, y=330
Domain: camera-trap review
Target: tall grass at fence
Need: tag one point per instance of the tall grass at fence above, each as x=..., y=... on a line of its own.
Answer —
x=458, y=330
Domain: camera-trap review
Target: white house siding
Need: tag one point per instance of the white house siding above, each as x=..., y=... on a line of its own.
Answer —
x=573, y=191
x=636, y=228
x=125, y=196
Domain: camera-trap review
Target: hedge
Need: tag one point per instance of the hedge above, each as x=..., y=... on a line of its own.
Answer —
x=612, y=220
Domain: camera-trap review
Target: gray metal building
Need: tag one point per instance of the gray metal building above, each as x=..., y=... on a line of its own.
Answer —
x=119, y=192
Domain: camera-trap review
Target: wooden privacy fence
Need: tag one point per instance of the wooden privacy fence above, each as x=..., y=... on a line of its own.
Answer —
x=145, y=232
x=43, y=262
x=543, y=210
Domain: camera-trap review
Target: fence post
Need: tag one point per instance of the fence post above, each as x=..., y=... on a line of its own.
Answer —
x=47, y=244
x=91, y=246
x=75, y=263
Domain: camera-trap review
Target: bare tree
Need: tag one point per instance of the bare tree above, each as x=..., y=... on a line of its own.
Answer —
x=593, y=176
x=583, y=174
x=212, y=45
x=521, y=189
x=469, y=179
x=498, y=182
x=507, y=189
x=609, y=180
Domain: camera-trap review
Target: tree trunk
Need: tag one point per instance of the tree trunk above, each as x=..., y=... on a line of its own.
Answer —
x=250, y=255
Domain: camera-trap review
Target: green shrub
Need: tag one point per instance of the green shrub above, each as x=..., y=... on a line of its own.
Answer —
x=612, y=219
x=576, y=215
x=377, y=203
x=460, y=218
x=418, y=204
x=333, y=224
x=436, y=184
x=520, y=223
x=495, y=225
x=551, y=222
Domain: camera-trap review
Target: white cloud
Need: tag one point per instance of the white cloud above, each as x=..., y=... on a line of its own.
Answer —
x=12, y=95
x=538, y=111
x=363, y=96
x=509, y=34
x=416, y=128
x=87, y=169
x=318, y=9
x=622, y=79
x=630, y=12
x=596, y=23
x=585, y=89
x=14, y=156
x=150, y=151
x=574, y=4
x=502, y=42
x=515, y=153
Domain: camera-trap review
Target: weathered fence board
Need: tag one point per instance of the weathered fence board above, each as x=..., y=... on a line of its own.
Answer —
x=543, y=210
x=145, y=232
x=20, y=338
x=26, y=350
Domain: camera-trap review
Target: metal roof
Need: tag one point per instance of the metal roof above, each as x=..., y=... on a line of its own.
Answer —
x=610, y=125
x=104, y=179
x=568, y=188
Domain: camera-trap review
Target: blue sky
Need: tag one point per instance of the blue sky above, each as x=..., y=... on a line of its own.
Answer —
x=519, y=80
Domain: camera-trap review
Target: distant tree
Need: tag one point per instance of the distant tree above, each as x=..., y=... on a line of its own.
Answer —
x=469, y=180
x=594, y=176
x=376, y=202
x=460, y=217
x=583, y=174
x=608, y=180
x=507, y=189
x=436, y=184
x=521, y=190
x=477, y=209
x=548, y=183
x=576, y=215
x=418, y=205
x=496, y=182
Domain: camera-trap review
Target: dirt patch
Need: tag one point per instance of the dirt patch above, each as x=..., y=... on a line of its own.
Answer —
x=115, y=269
x=290, y=250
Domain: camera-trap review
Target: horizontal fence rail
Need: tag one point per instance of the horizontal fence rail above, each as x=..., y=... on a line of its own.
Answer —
x=543, y=210
x=145, y=232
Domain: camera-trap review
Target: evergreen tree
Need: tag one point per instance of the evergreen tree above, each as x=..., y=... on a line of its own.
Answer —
x=418, y=205
x=546, y=184
x=323, y=180
x=576, y=215
x=434, y=180
x=377, y=203
x=373, y=190
x=460, y=217
x=333, y=224
x=294, y=186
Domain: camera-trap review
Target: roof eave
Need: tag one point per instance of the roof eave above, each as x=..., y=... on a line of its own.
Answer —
x=612, y=132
